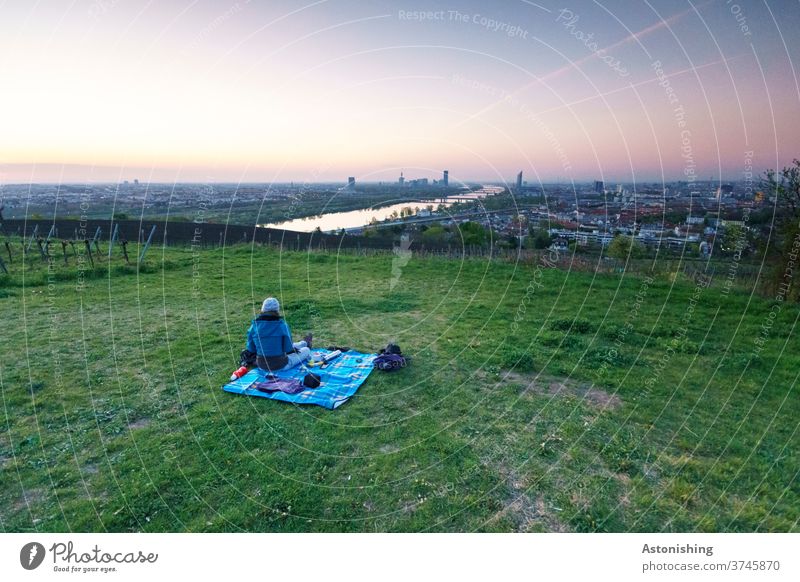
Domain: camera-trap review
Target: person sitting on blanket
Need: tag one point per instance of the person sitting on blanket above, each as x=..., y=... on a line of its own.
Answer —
x=269, y=337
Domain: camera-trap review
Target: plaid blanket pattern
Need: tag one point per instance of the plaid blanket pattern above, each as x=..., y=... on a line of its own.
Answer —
x=341, y=378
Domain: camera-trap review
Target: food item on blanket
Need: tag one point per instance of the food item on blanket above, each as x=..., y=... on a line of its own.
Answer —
x=322, y=361
x=330, y=357
x=239, y=373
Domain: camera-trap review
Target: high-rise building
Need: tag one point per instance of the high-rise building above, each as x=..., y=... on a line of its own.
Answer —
x=599, y=187
x=519, y=181
x=351, y=183
x=446, y=178
x=724, y=190
x=401, y=180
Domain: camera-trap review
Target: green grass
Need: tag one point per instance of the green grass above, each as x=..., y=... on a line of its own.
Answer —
x=113, y=417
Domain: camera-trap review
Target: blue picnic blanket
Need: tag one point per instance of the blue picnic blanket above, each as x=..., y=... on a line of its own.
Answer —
x=340, y=380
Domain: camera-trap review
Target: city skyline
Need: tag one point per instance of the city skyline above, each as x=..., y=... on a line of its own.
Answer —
x=434, y=179
x=107, y=91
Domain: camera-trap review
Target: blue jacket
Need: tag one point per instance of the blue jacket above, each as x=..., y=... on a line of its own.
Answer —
x=268, y=336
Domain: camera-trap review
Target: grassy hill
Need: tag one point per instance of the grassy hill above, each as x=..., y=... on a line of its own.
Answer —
x=537, y=400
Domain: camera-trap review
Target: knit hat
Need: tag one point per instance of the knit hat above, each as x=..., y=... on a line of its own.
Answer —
x=270, y=304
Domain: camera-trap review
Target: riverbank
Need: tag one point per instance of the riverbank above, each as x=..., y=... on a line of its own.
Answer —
x=356, y=219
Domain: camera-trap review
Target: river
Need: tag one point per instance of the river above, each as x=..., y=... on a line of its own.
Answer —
x=333, y=221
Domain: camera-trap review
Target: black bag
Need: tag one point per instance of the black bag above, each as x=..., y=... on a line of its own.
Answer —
x=311, y=380
x=247, y=358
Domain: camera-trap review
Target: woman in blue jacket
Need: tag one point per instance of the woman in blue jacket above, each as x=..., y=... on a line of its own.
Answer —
x=269, y=337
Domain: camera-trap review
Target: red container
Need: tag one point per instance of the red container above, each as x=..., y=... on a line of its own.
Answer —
x=239, y=373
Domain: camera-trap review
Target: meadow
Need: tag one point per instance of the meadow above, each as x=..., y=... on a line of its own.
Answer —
x=537, y=399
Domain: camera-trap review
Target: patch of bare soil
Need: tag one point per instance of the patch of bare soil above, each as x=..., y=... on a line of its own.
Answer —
x=588, y=392
x=139, y=423
x=30, y=497
x=625, y=483
x=527, y=512
x=539, y=384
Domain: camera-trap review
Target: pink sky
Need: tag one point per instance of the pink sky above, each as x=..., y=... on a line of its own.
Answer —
x=198, y=91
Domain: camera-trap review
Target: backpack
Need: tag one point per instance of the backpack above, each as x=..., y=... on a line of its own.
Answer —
x=390, y=358
x=390, y=362
x=247, y=358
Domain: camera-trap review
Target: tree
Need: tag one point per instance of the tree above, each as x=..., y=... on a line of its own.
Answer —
x=733, y=238
x=508, y=241
x=539, y=238
x=786, y=188
x=668, y=216
x=785, y=185
x=434, y=234
x=472, y=233
x=624, y=247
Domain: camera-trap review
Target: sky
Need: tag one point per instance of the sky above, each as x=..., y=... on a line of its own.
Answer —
x=318, y=90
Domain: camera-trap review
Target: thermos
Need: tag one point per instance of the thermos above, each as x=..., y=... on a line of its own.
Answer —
x=239, y=373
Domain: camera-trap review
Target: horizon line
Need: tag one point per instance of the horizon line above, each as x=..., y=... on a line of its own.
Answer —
x=300, y=183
